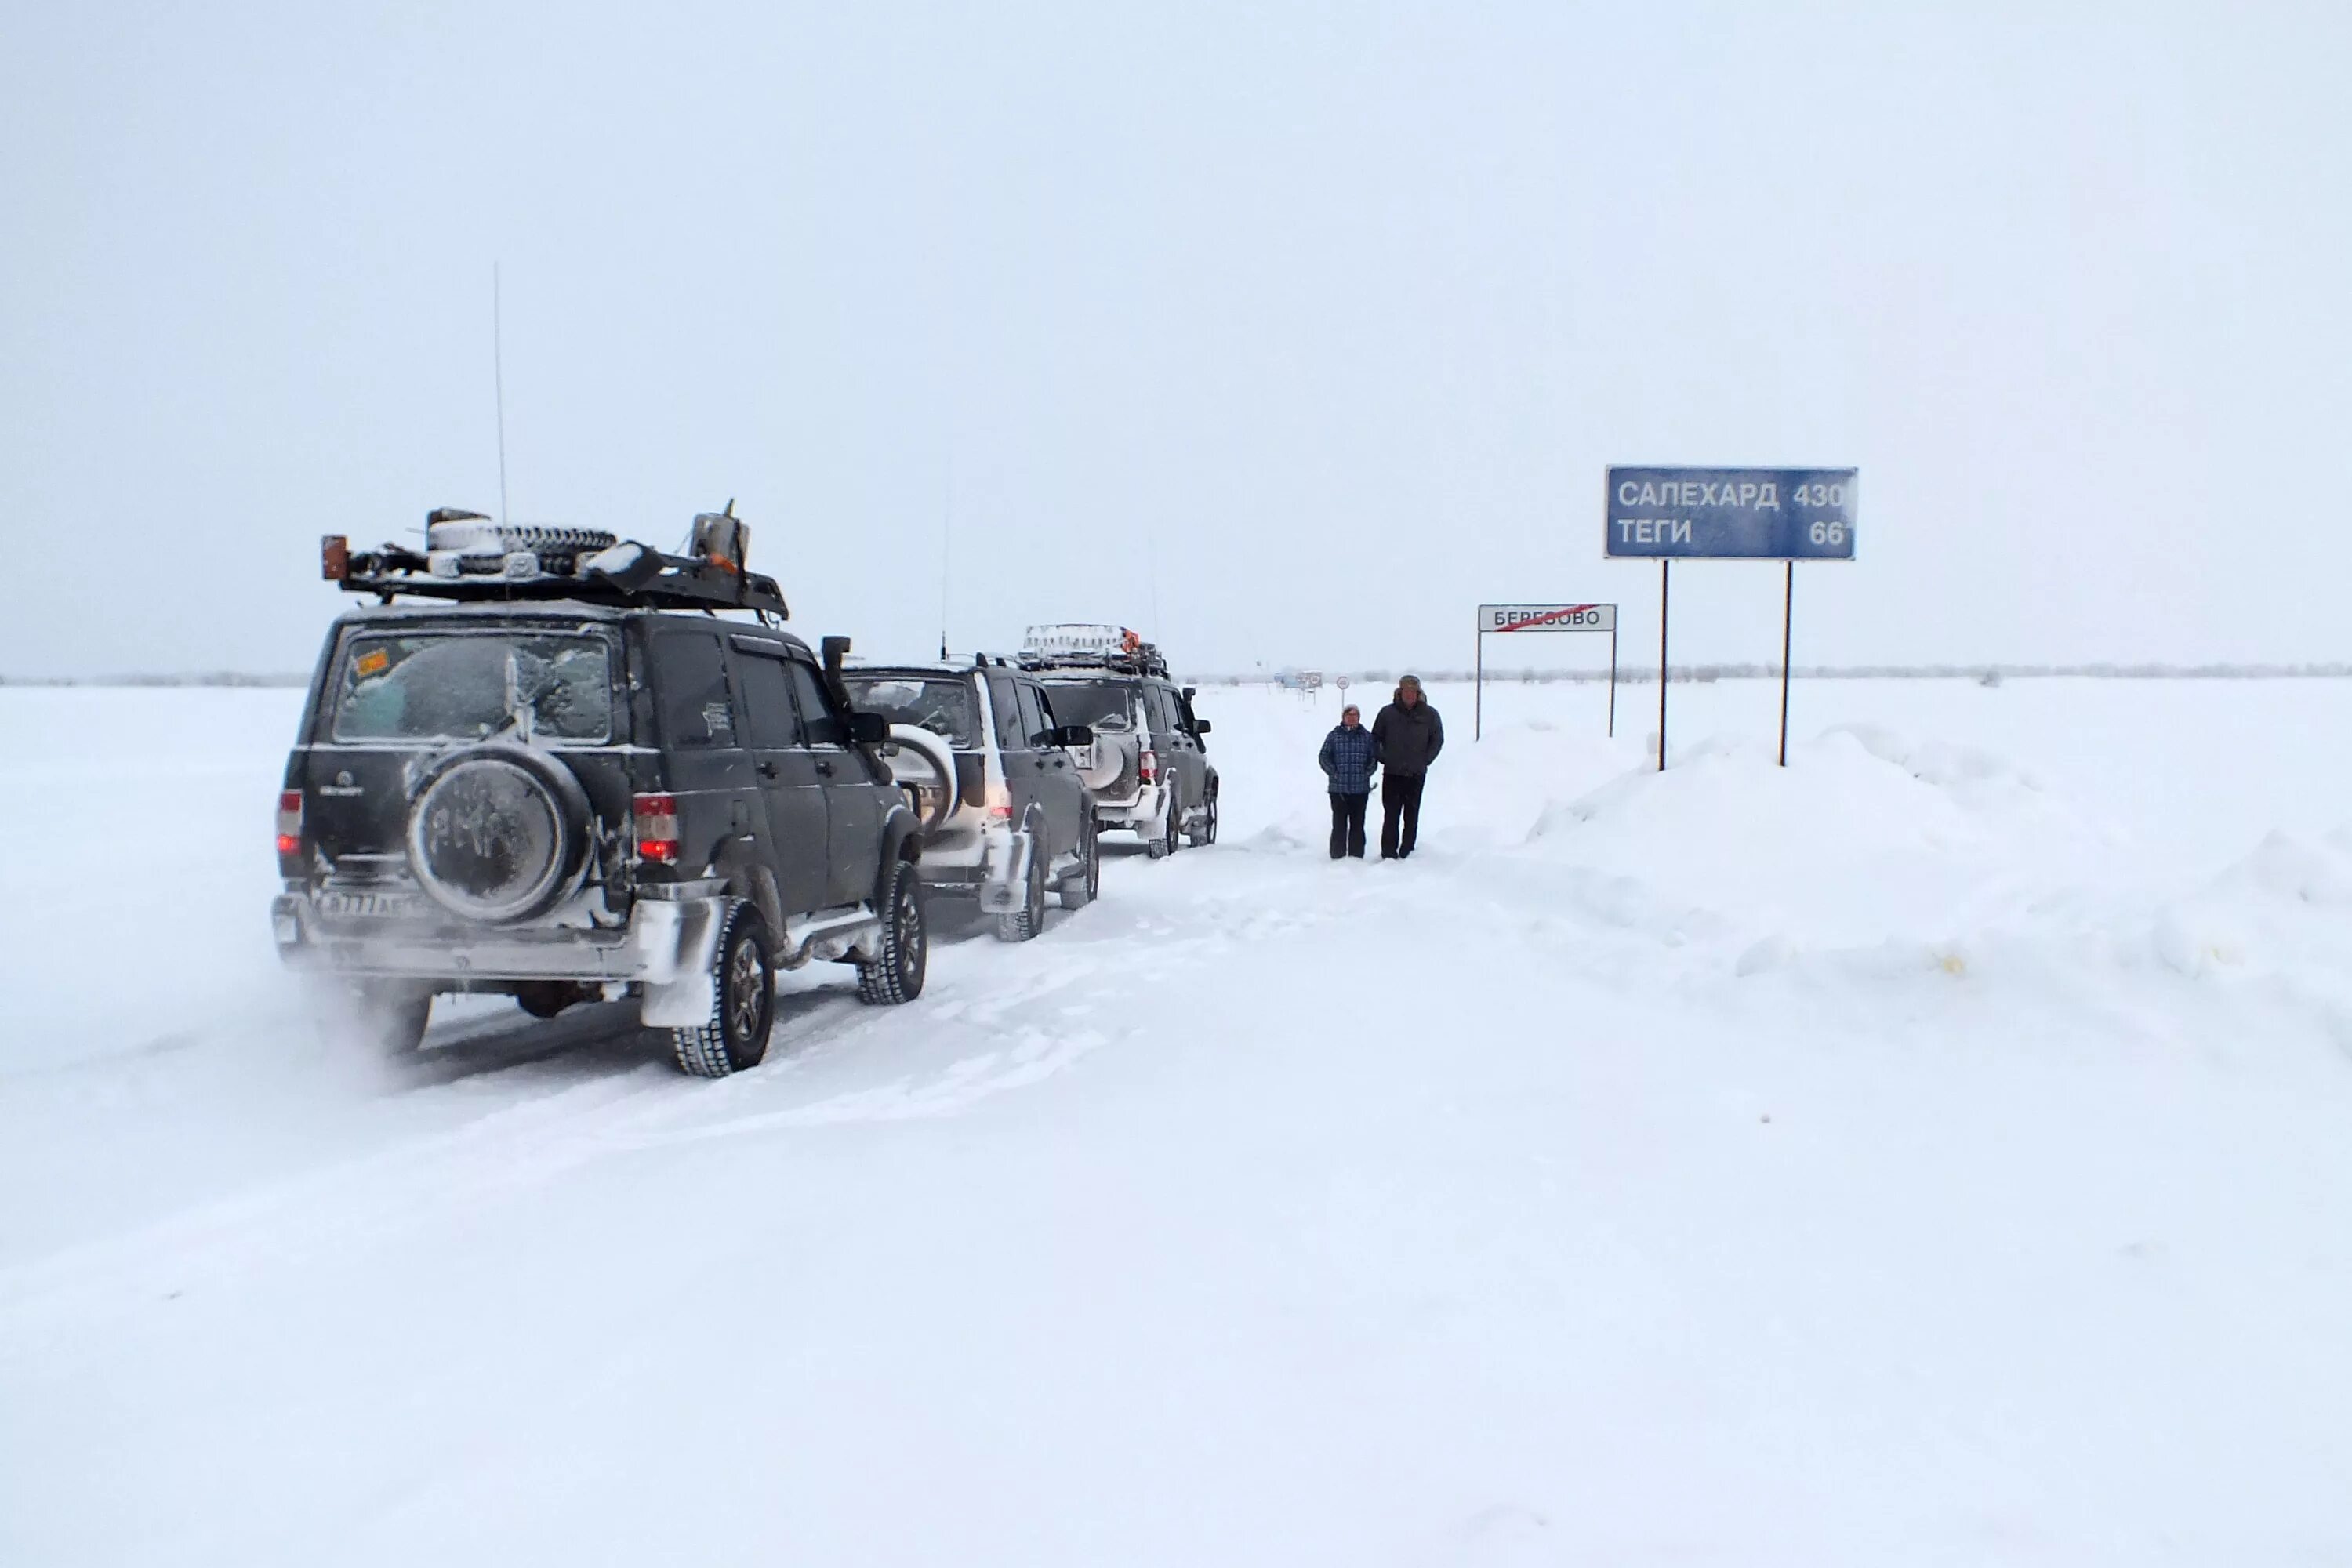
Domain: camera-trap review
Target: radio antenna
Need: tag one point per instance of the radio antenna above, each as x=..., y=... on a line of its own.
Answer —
x=498, y=374
x=947, y=525
x=945, y=515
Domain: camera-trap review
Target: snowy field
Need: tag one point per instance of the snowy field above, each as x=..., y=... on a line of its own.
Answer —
x=1937, y=1153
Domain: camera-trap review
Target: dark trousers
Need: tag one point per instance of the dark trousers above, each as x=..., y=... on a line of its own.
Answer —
x=1399, y=813
x=1348, y=825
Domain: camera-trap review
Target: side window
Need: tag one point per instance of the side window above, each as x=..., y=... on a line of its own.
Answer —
x=767, y=688
x=821, y=725
x=1033, y=712
x=1155, y=700
x=1001, y=697
x=690, y=680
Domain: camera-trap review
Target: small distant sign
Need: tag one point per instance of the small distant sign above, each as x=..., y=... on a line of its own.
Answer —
x=1741, y=514
x=1497, y=618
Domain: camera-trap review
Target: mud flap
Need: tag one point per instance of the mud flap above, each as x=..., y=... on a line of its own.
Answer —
x=680, y=944
x=1004, y=887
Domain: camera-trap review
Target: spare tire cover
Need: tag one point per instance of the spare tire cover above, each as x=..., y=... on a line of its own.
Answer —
x=1117, y=763
x=497, y=833
x=934, y=764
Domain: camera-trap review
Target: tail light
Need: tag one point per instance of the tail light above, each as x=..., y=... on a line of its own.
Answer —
x=998, y=804
x=289, y=822
x=656, y=818
x=1148, y=767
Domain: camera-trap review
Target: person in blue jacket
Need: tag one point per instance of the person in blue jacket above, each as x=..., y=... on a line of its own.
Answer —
x=1348, y=762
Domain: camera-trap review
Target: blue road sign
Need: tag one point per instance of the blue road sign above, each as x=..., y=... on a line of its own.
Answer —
x=1743, y=514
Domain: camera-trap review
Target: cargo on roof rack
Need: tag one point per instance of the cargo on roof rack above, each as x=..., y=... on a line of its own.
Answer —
x=1087, y=646
x=468, y=558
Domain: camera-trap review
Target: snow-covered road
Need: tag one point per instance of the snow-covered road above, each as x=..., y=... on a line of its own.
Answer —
x=1934, y=1154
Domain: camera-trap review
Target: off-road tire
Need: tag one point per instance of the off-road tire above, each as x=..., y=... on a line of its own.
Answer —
x=1206, y=833
x=392, y=1017
x=897, y=973
x=743, y=1001
x=1030, y=918
x=1077, y=889
x=545, y=998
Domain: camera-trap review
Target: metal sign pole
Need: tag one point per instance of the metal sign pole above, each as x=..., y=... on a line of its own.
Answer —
x=1787, y=607
x=1665, y=566
x=1478, y=686
x=1612, y=678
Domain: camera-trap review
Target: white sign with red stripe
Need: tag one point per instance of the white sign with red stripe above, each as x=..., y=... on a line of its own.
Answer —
x=1547, y=617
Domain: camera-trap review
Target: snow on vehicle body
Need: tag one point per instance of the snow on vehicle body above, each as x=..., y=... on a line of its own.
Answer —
x=1147, y=767
x=559, y=779
x=1013, y=813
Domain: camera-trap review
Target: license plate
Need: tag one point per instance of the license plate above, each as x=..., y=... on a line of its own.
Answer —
x=346, y=905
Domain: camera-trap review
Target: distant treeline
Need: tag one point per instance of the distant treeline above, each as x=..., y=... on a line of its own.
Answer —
x=206, y=677
x=1984, y=674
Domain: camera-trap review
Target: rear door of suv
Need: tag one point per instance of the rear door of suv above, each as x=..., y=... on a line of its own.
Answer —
x=853, y=796
x=1017, y=753
x=708, y=770
x=1053, y=781
x=1181, y=757
x=799, y=820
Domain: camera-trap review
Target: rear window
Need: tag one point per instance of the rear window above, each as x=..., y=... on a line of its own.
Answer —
x=944, y=706
x=1101, y=704
x=1163, y=713
x=466, y=686
x=690, y=679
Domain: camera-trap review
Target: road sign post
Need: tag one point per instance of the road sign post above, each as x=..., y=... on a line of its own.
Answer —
x=1729, y=514
x=1510, y=620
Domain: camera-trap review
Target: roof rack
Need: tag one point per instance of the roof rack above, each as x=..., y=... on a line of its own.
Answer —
x=1090, y=647
x=469, y=559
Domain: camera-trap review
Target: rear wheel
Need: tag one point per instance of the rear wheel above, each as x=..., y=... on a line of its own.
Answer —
x=546, y=998
x=1207, y=831
x=1078, y=889
x=1170, y=830
x=743, y=1002
x=392, y=1017
x=896, y=973
x=1030, y=918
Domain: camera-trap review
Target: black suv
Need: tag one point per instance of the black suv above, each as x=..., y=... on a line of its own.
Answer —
x=1147, y=766
x=568, y=779
x=1004, y=810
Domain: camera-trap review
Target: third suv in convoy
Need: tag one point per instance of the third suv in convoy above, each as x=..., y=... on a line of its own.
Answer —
x=1004, y=810
x=555, y=773
x=1147, y=766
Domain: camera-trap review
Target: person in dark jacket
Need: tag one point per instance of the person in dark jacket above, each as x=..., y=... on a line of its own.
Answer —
x=1348, y=762
x=1406, y=738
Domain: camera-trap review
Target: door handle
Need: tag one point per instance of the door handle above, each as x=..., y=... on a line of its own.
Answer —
x=823, y=767
x=767, y=770
x=1041, y=761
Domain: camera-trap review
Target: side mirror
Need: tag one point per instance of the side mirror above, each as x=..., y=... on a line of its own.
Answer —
x=1191, y=692
x=1074, y=735
x=868, y=729
x=1201, y=726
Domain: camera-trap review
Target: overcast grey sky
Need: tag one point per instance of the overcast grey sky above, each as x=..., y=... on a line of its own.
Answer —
x=1286, y=332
